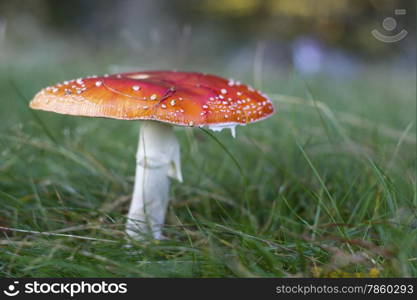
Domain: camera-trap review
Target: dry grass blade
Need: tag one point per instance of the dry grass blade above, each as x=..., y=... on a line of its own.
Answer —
x=56, y=234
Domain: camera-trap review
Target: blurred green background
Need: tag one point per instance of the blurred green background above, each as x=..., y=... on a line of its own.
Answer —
x=206, y=34
x=331, y=188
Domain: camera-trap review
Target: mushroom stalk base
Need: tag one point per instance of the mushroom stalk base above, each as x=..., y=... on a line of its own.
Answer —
x=157, y=159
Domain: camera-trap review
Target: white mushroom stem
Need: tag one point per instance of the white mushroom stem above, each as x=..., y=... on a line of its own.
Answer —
x=157, y=159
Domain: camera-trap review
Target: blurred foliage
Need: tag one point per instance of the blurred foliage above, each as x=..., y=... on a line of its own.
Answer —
x=343, y=24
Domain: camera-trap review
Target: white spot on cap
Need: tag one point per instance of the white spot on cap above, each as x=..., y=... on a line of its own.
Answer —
x=172, y=102
x=153, y=97
x=139, y=76
x=223, y=91
x=136, y=88
x=99, y=83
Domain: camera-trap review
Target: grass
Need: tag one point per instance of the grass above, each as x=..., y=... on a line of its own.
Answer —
x=329, y=188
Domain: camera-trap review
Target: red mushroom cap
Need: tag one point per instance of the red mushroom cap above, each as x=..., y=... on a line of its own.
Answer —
x=179, y=98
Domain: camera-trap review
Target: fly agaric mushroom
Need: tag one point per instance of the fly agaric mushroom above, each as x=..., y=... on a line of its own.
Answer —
x=160, y=99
